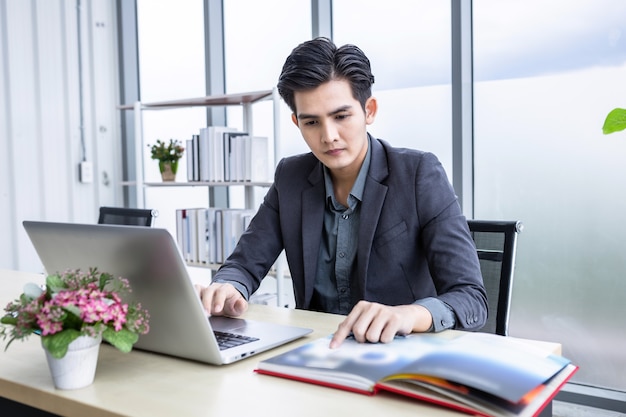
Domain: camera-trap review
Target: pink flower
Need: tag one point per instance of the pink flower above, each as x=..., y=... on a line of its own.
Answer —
x=85, y=302
x=49, y=319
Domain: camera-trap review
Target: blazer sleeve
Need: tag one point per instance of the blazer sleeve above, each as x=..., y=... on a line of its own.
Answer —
x=257, y=249
x=448, y=246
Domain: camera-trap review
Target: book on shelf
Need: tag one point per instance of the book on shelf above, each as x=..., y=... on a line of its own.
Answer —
x=256, y=159
x=476, y=373
x=202, y=232
x=190, y=155
x=224, y=154
x=233, y=223
x=196, y=157
x=233, y=153
x=181, y=214
x=204, y=155
x=187, y=230
x=211, y=152
x=209, y=235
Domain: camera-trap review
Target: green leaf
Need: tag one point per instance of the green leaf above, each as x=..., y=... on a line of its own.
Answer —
x=9, y=343
x=123, y=340
x=57, y=343
x=615, y=121
x=71, y=317
x=104, y=280
x=54, y=282
x=9, y=319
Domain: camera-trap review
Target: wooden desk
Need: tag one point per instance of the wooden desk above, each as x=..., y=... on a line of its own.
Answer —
x=145, y=384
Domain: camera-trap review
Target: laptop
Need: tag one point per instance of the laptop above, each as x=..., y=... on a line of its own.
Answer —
x=150, y=259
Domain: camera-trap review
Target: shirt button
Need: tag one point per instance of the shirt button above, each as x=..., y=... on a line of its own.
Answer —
x=342, y=290
x=345, y=217
x=342, y=254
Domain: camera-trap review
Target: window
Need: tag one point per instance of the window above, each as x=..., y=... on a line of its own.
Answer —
x=546, y=75
x=408, y=44
x=258, y=37
x=171, y=47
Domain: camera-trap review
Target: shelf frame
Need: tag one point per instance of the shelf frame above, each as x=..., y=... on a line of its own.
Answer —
x=245, y=101
x=237, y=99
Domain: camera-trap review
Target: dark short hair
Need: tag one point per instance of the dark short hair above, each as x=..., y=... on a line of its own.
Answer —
x=317, y=61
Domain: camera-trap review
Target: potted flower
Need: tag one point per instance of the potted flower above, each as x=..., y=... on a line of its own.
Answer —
x=168, y=155
x=72, y=314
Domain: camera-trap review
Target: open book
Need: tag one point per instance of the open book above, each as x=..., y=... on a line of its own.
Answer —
x=477, y=373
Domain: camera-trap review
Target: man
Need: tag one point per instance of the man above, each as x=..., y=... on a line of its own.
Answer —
x=370, y=231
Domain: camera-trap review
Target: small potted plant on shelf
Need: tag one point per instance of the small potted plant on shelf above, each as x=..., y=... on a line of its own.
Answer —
x=73, y=313
x=168, y=155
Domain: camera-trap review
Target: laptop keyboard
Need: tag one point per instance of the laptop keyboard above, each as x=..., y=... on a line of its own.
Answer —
x=229, y=340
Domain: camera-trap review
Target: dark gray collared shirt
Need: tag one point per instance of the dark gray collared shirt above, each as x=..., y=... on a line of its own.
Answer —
x=336, y=265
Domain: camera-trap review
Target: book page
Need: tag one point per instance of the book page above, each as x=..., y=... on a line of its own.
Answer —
x=493, y=364
x=460, y=397
x=353, y=364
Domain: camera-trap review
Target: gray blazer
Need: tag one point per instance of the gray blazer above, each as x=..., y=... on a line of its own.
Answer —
x=414, y=241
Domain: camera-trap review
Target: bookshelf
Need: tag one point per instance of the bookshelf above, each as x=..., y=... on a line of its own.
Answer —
x=246, y=101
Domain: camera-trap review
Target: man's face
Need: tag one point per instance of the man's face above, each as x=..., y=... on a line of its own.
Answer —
x=333, y=125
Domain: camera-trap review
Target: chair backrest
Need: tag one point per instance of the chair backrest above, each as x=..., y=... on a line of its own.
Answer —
x=496, y=243
x=127, y=216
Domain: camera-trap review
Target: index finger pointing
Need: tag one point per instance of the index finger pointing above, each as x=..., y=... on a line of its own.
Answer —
x=343, y=331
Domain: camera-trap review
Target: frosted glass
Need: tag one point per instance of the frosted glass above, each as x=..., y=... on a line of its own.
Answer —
x=548, y=77
x=408, y=44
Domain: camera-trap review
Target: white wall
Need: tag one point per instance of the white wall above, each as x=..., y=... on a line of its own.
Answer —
x=40, y=117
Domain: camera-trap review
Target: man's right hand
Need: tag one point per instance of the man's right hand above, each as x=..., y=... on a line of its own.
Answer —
x=222, y=299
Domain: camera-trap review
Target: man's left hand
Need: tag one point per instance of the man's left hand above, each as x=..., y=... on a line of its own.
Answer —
x=374, y=322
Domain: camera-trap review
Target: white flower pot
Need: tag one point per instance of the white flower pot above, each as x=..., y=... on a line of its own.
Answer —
x=77, y=368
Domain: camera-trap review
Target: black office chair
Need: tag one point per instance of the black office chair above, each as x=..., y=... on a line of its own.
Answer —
x=127, y=216
x=496, y=243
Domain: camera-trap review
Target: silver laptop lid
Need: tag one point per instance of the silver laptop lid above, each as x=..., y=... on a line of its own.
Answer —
x=151, y=261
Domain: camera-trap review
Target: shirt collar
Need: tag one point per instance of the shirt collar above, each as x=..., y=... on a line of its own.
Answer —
x=359, y=184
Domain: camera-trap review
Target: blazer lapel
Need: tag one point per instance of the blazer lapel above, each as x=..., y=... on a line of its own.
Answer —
x=373, y=200
x=312, y=224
